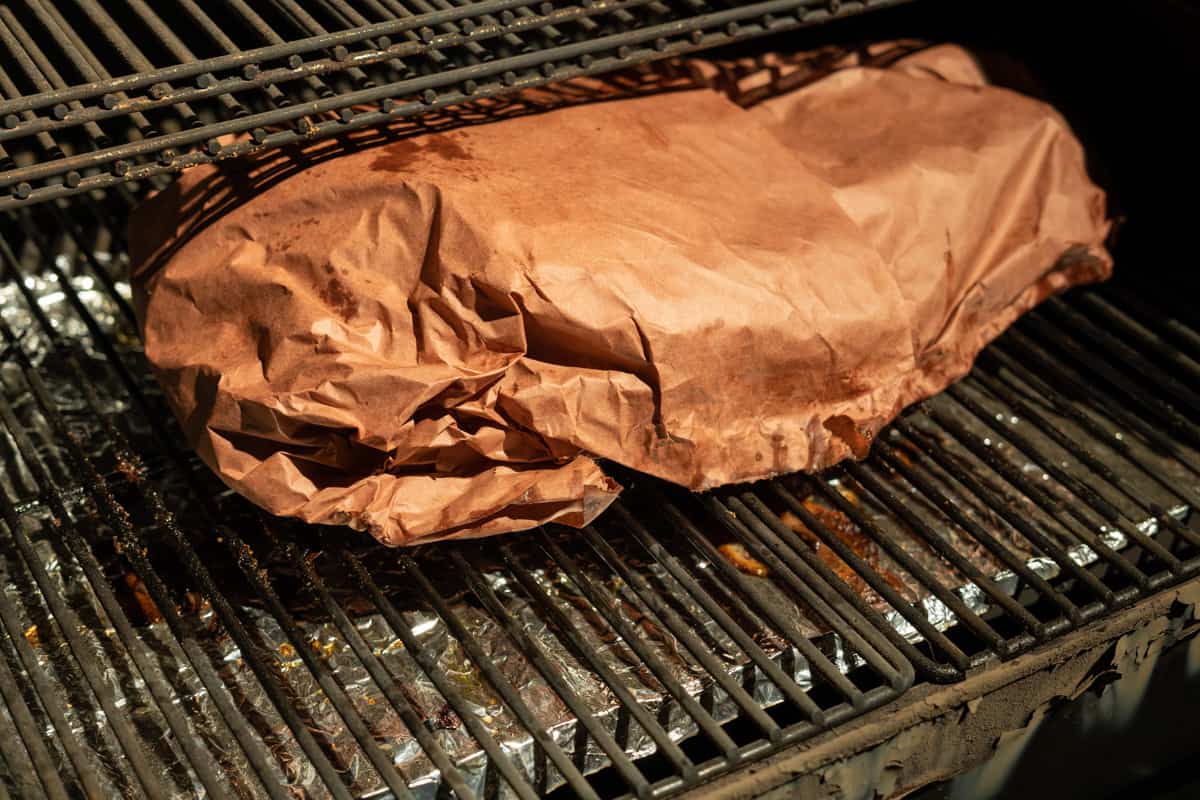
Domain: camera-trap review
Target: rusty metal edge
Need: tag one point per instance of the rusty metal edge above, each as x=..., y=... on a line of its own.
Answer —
x=934, y=732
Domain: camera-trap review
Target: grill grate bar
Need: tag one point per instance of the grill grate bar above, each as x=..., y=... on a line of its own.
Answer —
x=43, y=72
x=429, y=665
x=1040, y=496
x=669, y=749
x=672, y=565
x=634, y=641
x=378, y=672
x=1082, y=513
x=257, y=578
x=537, y=657
x=69, y=624
x=275, y=97
x=1008, y=380
x=1060, y=339
x=1040, y=540
x=1091, y=499
x=181, y=51
x=959, y=660
x=815, y=658
x=683, y=633
x=43, y=780
x=508, y=694
x=44, y=140
x=85, y=61
x=251, y=70
x=129, y=51
x=891, y=498
x=954, y=513
x=800, y=575
x=267, y=677
x=1095, y=304
x=1057, y=372
x=314, y=28
x=1183, y=336
x=1085, y=456
x=1066, y=316
x=50, y=698
x=940, y=591
x=146, y=573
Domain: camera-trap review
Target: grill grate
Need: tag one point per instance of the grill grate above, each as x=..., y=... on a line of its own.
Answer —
x=158, y=88
x=161, y=636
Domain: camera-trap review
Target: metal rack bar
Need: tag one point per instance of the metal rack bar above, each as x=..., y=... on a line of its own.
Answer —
x=429, y=666
x=165, y=605
x=1060, y=339
x=69, y=626
x=50, y=698
x=336, y=694
x=43, y=780
x=801, y=575
x=505, y=689
x=679, y=760
x=537, y=657
x=790, y=689
x=634, y=642
x=1092, y=500
x=683, y=633
x=954, y=513
x=819, y=662
x=1056, y=372
x=400, y=704
x=892, y=500
x=940, y=673
x=1017, y=380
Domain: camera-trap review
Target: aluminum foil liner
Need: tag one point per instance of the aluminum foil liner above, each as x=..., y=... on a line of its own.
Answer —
x=75, y=341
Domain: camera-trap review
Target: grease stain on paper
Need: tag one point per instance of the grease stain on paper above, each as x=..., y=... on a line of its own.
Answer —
x=399, y=156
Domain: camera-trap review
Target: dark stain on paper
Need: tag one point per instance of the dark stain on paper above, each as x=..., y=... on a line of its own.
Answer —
x=336, y=296
x=399, y=156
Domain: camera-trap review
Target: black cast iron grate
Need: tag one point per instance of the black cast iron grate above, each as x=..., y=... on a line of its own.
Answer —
x=93, y=94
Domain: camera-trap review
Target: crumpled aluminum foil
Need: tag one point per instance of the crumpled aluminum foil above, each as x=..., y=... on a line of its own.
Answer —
x=326, y=642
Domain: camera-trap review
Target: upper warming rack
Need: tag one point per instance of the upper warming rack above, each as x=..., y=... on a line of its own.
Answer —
x=93, y=94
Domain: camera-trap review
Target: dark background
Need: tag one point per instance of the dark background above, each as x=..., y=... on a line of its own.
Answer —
x=1125, y=74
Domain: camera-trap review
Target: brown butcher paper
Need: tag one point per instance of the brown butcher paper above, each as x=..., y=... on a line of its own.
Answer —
x=438, y=336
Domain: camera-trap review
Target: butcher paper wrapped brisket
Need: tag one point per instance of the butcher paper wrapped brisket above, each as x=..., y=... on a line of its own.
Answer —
x=438, y=337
